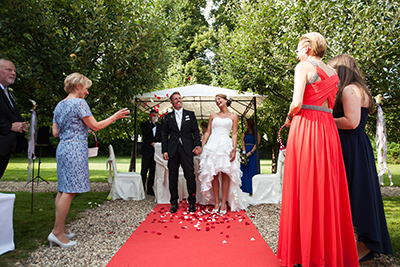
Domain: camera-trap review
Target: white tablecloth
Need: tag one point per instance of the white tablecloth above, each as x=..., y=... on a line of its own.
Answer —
x=6, y=222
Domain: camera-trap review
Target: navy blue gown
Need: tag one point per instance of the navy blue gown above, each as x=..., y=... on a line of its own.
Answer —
x=365, y=195
x=252, y=168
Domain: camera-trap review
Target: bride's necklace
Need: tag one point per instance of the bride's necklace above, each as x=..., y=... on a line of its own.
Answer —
x=223, y=114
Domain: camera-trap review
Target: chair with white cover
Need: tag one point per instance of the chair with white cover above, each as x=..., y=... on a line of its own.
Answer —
x=267, y=188
x=6, y=222
x=125, y=185
x=161, y=180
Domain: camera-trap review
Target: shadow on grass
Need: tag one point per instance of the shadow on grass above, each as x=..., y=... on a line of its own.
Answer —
x=31, y=231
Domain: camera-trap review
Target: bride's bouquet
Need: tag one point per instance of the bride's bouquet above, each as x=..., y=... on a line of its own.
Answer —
x=243, y=158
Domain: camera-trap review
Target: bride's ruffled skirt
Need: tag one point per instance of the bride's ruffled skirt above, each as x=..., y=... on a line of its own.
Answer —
x=214, y=159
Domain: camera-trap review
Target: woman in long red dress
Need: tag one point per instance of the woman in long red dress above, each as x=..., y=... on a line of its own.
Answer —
x=316, y=226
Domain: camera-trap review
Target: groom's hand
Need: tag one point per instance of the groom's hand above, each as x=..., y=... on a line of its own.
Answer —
x=165, y=155
x=197, y=150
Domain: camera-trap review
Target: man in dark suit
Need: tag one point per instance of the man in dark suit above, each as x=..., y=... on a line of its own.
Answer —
x=151, y=131
x=12, y=125
x=180, y=139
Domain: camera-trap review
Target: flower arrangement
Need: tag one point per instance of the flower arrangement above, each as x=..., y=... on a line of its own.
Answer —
x=243, y=158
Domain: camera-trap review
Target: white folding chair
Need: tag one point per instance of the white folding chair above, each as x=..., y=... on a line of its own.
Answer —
x=125, y=185
x=267, y=188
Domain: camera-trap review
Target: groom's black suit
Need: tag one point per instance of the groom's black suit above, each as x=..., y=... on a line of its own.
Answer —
x=179, y=144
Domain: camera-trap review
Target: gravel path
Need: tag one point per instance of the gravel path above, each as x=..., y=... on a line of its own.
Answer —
x=103, y=230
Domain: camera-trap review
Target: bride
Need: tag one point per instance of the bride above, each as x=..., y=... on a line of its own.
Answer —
x=219, y=158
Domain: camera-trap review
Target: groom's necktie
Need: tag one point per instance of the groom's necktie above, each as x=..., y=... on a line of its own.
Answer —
x=179, y=119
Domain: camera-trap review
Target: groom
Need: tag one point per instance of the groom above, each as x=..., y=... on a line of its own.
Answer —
x=180, y=138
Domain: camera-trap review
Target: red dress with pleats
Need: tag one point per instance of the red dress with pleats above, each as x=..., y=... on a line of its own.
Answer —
x=316, y=227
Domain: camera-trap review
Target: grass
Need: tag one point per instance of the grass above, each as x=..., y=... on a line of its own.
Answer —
x=17, y=168
x=30, y=231
x=392, y=211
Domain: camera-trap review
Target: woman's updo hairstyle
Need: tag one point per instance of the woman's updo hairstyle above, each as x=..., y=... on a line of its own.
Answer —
x=75, y=79
x=316, y=42
x=228, y=100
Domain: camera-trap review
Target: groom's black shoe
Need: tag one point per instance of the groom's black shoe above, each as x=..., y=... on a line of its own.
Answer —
x=174, y=208
x=192, y=207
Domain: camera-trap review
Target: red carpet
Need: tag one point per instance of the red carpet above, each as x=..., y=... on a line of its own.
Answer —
x=199, y=239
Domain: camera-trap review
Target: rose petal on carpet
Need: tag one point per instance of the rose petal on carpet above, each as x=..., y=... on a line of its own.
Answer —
x=198, y=239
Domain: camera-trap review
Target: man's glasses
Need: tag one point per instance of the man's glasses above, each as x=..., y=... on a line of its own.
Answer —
x=301, y=48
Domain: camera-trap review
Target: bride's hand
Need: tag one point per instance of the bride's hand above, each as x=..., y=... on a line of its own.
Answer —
x=233, y=155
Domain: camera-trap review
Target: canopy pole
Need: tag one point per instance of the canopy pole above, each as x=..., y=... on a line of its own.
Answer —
x=256, y=135
x=136, y=137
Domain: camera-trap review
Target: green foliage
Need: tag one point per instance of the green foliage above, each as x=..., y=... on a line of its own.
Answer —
x=190, y=43
x=220, y=14
x=31, y=230
x=393, y=151
x=258, y=54
x=120, y=45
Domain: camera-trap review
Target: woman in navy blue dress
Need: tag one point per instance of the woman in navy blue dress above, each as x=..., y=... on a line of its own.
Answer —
x=352, y=106
x=249, y=147
x=71, y=122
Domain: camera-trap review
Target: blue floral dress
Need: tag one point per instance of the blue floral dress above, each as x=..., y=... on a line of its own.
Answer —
x=72, y=151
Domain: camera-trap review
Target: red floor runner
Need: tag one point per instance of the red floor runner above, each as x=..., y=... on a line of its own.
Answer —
x=199, y=239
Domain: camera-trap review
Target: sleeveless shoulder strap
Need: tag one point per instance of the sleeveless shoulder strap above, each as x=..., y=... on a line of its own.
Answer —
x=316, y=75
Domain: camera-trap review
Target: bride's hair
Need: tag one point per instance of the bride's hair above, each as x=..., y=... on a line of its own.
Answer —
x=228, y=103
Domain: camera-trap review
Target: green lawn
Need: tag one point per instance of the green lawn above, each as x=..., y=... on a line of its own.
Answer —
x=30, y=231
x=17, y=169
x=392, y=211
x=24, y=223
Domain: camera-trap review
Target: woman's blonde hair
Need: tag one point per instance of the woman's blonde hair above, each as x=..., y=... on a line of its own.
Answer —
x=228, y=103
x=75, y=79
x=316, y=42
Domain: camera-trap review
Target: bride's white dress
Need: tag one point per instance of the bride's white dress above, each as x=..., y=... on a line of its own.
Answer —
x=215, y=158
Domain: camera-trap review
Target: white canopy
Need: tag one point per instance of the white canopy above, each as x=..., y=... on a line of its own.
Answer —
x=200, y=98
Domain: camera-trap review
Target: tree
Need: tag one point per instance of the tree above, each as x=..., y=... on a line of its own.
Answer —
x=120, y=45
x=190, y=63
x=258, y=55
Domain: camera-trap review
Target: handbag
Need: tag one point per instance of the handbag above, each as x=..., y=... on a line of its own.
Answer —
x=92, y=152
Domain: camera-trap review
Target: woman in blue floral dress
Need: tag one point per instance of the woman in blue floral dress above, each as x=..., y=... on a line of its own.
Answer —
x=71, y=122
